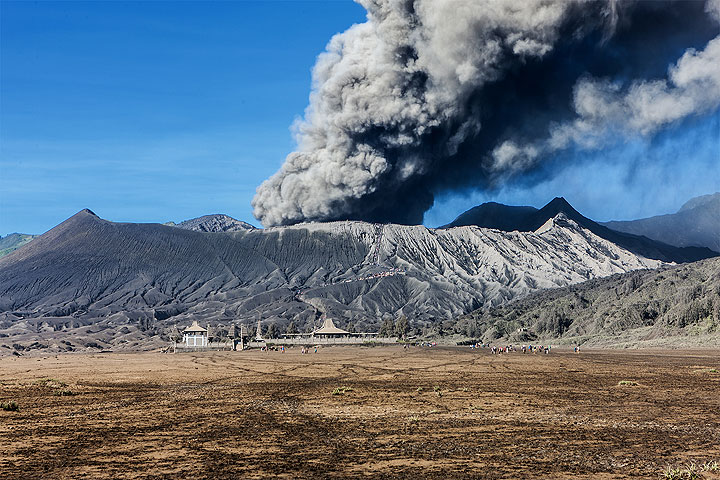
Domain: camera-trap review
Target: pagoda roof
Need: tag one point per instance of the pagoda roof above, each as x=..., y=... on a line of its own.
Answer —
x=329, y=328
x=195, y=328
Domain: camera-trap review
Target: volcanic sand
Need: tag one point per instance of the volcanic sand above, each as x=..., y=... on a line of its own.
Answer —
x=415, y=413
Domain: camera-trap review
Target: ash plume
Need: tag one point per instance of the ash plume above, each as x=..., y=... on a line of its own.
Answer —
x=429, y=96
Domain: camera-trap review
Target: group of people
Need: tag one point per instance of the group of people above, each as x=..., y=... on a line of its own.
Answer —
x=536, y=348
x=281, y=349
x=495, y=350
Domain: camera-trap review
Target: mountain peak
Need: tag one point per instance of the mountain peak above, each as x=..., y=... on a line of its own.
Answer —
x=557, y=205
x=83, y=216
x=529, y=219
x=559, y=220
x=215, y=223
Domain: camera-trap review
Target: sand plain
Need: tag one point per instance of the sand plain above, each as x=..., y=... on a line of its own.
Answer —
x=359, y=412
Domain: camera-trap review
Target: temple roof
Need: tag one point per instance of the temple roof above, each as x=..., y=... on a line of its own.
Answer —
x=195, y=328
x=329, y=328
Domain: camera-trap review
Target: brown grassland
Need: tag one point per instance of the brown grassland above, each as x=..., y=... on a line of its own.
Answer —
x=357, y=412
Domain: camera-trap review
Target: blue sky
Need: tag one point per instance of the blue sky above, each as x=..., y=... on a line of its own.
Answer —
x=153, y=111
x=158, y=111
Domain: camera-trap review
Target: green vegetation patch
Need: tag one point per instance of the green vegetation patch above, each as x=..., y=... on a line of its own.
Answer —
x=12, y=242
x=707, y=370
x=9, y=406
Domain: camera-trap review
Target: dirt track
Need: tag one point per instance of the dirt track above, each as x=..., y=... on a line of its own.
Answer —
x=417, y=413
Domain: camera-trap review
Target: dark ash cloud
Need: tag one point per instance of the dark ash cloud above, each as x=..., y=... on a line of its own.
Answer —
x=431, y=96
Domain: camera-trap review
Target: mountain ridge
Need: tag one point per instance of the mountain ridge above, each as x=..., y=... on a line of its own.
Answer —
x=700, y=201
x=11, y=242
x=696, y=223
x=530, y=219
x=218, y=222
x=99, y=276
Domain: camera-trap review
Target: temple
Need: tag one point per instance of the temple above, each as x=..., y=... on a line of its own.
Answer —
x=195, y=336
x=329, y=330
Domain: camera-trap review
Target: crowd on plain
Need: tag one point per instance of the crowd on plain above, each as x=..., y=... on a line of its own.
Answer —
x=498, y=350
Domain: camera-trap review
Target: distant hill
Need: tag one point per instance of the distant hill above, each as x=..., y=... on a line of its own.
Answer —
x=213, y=223
x=12, y=242
x=696, y=224
x=528, y=219
x=676, y=306
x=496, y=215
x=206, y=223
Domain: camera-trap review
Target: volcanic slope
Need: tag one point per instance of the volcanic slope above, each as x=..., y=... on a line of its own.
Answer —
x=528, y=219
x=140, y=279
x=697, y=223
x=671, y=306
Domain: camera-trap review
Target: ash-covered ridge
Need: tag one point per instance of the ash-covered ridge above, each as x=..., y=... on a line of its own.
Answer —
x=526, y=219
x=213, y=223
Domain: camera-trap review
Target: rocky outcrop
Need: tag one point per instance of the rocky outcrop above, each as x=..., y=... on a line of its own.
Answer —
x=214, y=223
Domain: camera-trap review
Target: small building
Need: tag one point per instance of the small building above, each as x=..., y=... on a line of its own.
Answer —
x=329, y=330
x=195, y=336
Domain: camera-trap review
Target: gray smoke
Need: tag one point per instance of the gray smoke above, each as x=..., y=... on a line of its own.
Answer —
x=430, y=95
x=607, y=110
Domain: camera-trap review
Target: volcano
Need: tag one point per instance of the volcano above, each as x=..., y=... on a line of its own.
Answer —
x=528, y=219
